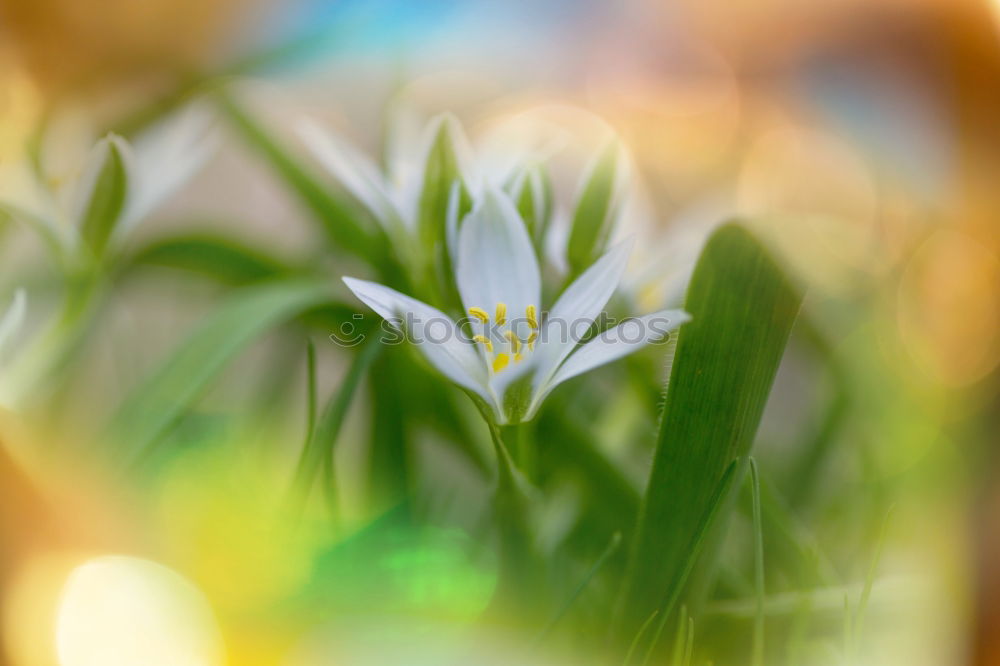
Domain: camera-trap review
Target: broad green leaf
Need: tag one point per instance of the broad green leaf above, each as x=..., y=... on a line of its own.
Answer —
x=339, y=222
x=742, y=309
x=106, y=201
x=595, y=212
x=189, y=368
x=227, y=260
x=693, y=548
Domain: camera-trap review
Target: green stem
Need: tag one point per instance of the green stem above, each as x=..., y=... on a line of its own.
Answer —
x=506, y=480
x=516, y=588
x=519, y=446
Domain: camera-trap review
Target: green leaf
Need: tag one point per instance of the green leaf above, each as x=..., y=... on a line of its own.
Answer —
x=742, y=309
x=605, y=555
x=757, y=650
x=151, y=408
x=391, y=450
x=595, y=212
x=225, y=259
x=106, y=200
x=317, y=455
x=694, y=547
x=441, y=171
x=339, y=222
x=532, y=192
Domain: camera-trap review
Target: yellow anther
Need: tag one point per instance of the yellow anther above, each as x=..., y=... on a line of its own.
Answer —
x=500, y=362
x=501, y=313
x=531, y=340
x=479, y=314
x=515, y=344
x=518, y=358
x=532, y=315
x=485, y=340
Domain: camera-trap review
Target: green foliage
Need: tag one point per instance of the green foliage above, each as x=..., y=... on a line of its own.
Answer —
x=757, y=653
x=188, y=369
x=317, y=455
x=225, y=259
x=595, y=212
x=442, y=172
x=743, y=308
x=533, y=194
x=106, y=201
x=341, y=224
x=551, y=533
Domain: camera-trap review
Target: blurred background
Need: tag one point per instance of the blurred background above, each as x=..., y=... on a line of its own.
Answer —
x=861, y=138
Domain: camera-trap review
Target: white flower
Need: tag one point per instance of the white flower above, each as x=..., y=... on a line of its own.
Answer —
x=114, y=179
x=428, y=171
x=514, y=357
x=393, y=198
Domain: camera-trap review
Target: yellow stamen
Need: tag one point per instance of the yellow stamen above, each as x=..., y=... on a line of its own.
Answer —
x=485, y=340
x=532, y=316
x=531, y=340
x=518, y=358
x=501, y=313
x=479, y=314
x=500, y=362
x=515, y=344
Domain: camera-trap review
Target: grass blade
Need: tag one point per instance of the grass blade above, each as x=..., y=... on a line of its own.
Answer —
x=638, y=638
x=582, y=585
x=318, y=452
x=758, y=542
x=866, y=592
x=743, y=308
x=680, y=640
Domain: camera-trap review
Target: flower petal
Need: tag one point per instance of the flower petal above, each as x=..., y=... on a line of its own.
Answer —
x=355, y=172
x=496, y=261
x=629, y=336
x=166, y=157
x=437, y=337
x=574, y=313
